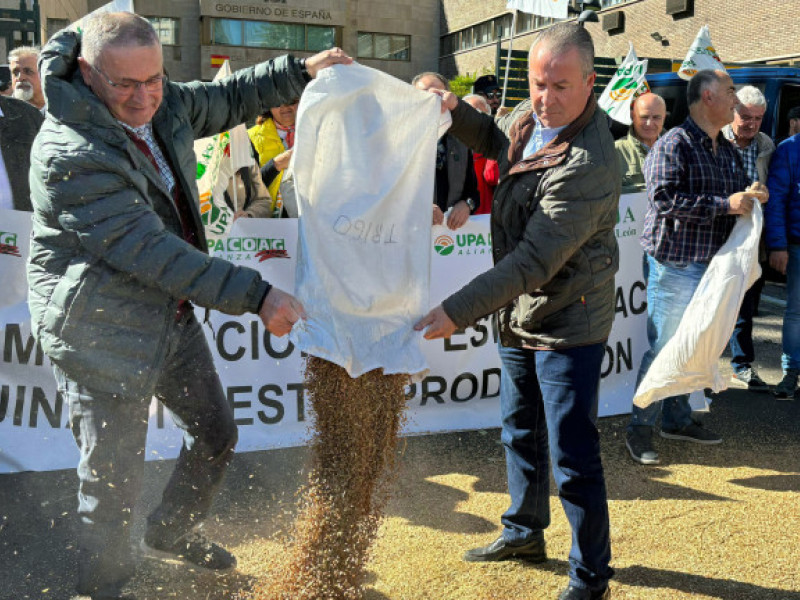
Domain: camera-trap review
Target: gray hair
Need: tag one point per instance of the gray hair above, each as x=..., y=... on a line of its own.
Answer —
x=481, y=100
x=433, y=74
x=116, y=30
x=21, y=51
x=702, y=81
x=562, y=37
x=750, y=95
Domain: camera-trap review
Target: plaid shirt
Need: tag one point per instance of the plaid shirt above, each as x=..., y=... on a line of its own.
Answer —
x=687, y=194
x=749, y=154
x=145, y=133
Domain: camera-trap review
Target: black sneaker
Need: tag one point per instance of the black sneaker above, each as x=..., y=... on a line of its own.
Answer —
x=640, y=445
x=748, y=378
x=786, y=388
x=576, y=593
x=192, y=549
x=500, y=549
x=693, y=432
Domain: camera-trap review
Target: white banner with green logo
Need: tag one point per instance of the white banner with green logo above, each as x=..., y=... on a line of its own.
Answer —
x=628, y=82
x=701, y=55
x=262, y=375
x=218, y=158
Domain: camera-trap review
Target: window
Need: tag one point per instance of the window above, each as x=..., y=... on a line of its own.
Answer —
x=483, y=33
x=56, y=25
x=284, y=36
x=487, y=32
x=502, y=27
x=320, y=38
x=264, y=34
x=168, y=30
x=227, y=32
x=448, y=44
x=384, y=46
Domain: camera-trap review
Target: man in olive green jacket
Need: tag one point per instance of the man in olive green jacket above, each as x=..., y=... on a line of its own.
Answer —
x=118, y=254
x=647, y=122
x=552, y=285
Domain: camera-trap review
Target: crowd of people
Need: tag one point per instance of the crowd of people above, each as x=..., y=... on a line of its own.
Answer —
x=119, y=256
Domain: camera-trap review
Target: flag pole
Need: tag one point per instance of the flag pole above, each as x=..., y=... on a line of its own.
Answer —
x=508, y=59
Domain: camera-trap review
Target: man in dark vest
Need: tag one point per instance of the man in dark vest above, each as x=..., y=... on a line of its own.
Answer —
x=456, y=187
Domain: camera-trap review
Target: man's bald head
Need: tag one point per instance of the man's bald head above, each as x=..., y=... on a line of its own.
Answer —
x=648, y=112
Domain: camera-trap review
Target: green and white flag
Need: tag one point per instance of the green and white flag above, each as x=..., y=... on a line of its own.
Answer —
x=628, y=83
x=218, y=158
x=701, y=55
x=113, y=6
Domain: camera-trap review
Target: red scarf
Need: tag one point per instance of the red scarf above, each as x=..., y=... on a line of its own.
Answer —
x=289, y=140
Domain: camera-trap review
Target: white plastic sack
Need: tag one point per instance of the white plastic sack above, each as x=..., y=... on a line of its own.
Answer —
x=363, y=166
x=688, y=362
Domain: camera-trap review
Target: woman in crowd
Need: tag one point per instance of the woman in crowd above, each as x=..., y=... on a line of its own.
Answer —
x=273, y=140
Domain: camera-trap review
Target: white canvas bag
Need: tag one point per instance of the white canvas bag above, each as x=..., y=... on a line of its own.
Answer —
x=363, y=166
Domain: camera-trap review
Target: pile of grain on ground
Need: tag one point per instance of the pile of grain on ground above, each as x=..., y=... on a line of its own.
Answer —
x=356, y=426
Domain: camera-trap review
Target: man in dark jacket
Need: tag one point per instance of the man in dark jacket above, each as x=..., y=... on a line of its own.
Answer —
x=118, y=253
x=552, y=284
x=455, y=187
x=19, y=124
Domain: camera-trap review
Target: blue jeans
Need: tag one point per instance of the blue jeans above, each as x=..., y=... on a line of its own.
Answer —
x=670, y=287
x=553, y=395
x=791, y=319
x=110, y=431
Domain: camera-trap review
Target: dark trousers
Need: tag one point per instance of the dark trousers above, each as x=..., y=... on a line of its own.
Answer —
x=110, y=431
x=553, y=395
x=742, y=350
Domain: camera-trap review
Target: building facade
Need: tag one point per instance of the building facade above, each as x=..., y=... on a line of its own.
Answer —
x=742, y=31
x=400, y=37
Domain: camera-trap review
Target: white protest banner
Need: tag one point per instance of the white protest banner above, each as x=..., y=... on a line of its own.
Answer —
x=624, y=87
x=262, y=375
x=113, y=6
x=701, y=55
x=555, y=9
x=218, y=159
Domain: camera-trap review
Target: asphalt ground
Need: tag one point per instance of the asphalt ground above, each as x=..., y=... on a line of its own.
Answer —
x=762, y=436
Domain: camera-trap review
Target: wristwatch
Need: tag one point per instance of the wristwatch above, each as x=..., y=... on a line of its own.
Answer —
x=471, y=203
x=304, y=70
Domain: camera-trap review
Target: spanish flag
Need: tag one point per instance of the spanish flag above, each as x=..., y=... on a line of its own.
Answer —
x=217, y=60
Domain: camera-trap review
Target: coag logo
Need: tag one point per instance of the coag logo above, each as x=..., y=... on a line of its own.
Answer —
x=443, y=245
x=248, y=248
x=8, y=244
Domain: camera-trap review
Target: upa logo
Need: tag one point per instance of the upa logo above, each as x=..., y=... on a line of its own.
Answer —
x=8, y=244
x=444, y=245
x=248, y=248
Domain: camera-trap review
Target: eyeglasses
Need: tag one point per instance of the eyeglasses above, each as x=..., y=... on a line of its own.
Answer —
x=493, y=94
x=151, y=85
